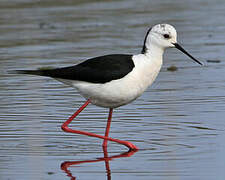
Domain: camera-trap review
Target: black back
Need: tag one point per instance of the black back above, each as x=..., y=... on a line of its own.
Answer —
x=96, y=70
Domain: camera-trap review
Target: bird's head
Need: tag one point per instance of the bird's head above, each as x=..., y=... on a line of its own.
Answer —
x=163, y=36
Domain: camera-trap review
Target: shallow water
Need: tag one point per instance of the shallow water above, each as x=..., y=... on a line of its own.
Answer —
x=178, y=123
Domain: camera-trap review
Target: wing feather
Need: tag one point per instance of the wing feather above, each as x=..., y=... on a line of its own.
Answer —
x=100, y=69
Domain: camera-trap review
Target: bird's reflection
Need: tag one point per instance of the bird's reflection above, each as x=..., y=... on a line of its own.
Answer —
x=65, y=165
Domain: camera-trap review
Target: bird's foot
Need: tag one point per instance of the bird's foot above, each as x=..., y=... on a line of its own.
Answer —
x=131, y=146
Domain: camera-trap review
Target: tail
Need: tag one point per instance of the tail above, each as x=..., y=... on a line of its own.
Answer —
x=31, y=72
x=44, y=71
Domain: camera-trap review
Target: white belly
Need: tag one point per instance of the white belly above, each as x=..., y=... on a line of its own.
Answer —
x=112, y=94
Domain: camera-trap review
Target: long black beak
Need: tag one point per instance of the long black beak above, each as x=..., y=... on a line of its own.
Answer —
x=185, y=52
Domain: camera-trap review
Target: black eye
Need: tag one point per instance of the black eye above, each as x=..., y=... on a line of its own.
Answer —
x=167, y=36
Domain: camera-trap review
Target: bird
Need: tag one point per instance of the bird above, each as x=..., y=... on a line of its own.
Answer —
x=114, y=80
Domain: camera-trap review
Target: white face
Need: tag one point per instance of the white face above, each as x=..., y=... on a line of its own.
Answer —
x=163, y=35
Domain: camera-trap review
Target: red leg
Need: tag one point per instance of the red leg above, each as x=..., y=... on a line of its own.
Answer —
x=108, y=127
x=107, y=158
x=67, y=129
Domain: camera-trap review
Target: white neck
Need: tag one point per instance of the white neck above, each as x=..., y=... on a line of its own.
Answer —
x=155, y=53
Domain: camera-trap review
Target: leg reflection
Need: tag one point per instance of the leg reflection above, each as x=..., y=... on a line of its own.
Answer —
x=65, y=165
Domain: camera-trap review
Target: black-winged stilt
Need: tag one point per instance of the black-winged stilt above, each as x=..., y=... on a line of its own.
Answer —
x=114, y=80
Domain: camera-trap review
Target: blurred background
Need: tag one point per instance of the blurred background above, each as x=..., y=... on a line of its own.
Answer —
x=178, y=123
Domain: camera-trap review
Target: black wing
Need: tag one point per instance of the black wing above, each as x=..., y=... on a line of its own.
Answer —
x=96, y=70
